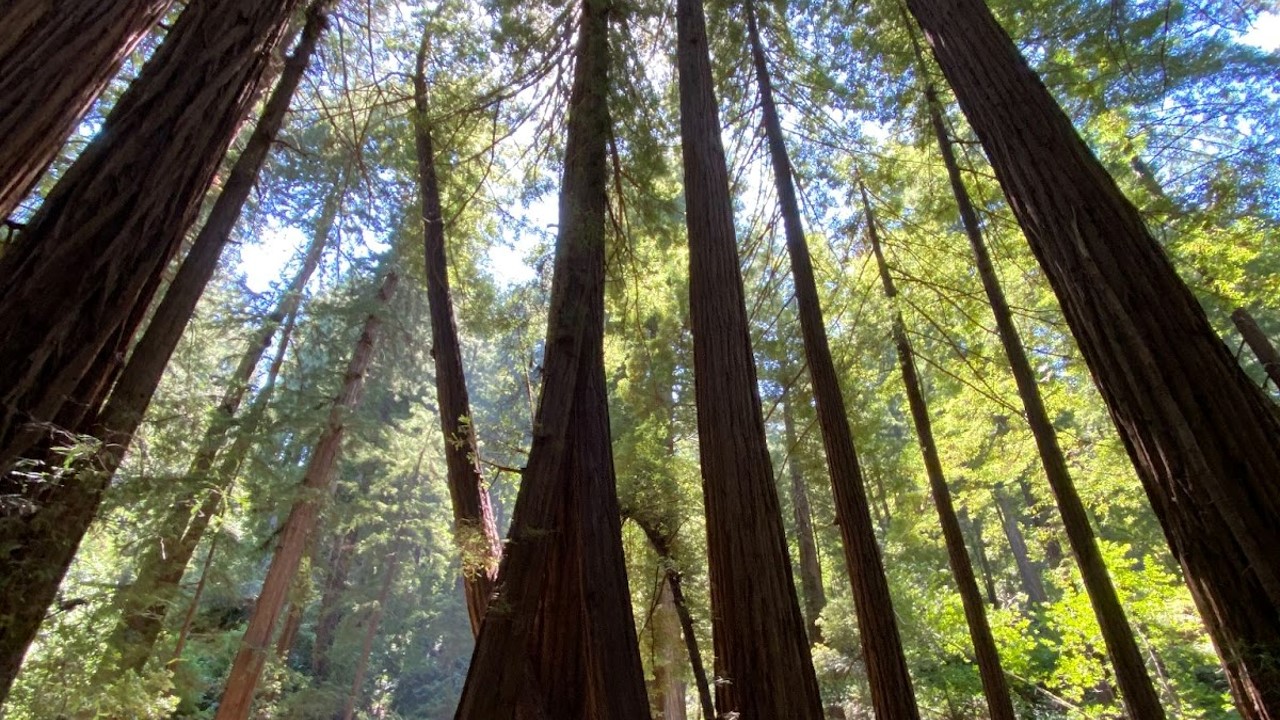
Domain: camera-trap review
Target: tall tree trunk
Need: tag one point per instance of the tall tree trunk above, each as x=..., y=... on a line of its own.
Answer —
x=974, y=530
x=194, y=605
x=762, y=651
x=247, y=666
x=57, y=58
x=815, y=596
x=89, y=260
x=1140, y=697
x=330, y=613
x=162, y=564
x=370, y=633
x=475, y=531
x=666, y=662
x=1259, y=343
x=1204, y=439
x=1028, y=572
x=562, y=596
x=994, y=685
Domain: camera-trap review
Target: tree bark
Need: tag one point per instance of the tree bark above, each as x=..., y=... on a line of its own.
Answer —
x=57, y=59
x=246, y=669
x=330, y=613
x=994, y=685
x=815, y=596
x=1028, y=573
x=562, y=597
x=1140, y=697
x=1204, y=439
x=89, y=260
x=974, y=528
x=762, y=652
x=474, y=529
x=370, y=633
x=1259, y=343
x=666, y=661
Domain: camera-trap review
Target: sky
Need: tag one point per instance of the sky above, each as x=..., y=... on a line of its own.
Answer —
x=262, y=263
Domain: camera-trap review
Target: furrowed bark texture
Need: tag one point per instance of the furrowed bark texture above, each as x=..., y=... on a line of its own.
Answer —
x=891, y=691
x=163, y=562
x=815, y=596
x=762, y=653
x=1259, y=343
x=1204, y=439
x=89, y=261
x=562, y=599
x=56, y=58
x=475, y=531
x=994, y=686
x=1139, y=693
x=246, y=669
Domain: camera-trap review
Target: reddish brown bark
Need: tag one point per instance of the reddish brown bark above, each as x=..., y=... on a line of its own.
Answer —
x=55, y=60
x=475, y=531
x=762, y=653
x=1204, y=439
x=246, y=669
x=562, y=597
x=815, y=596
x=994, y=686
x=90, y=259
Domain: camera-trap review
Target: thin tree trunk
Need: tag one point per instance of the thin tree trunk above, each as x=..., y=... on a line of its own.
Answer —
x=1204, y=439
x=246, y=669
x=330, y=613
x=475, y=531
x=57, y=59
x=562, y=596
x=189, y=617
x=370, y=633
x=815, y=596
x=145, y=603
x=974, y=529
x=289, y=632
x=1259, y=343
x=994, y=686
x=667, y=650
x=1028, y=572
x=89, y=259
x=1140, y=697
x=762, y=652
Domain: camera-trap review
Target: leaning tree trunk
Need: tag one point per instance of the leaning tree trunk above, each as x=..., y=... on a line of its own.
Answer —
x=55, y=59
x=162, y=564
x=761, y=648
x=994, y=685
x=1259, y=343
x=1028, y=571
x=90, y=257
x=974, y=529
x=475, y=531
x=1203, y=437
x=815, y=596
x=561, y=601
x=1140, y=696
x=246, y=669
x=374, y=621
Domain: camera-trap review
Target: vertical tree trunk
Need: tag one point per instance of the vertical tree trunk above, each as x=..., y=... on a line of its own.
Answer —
x=815, y=596
x=475, y=531
x=56, y=59
x=1259, y=343
x=762, y=652
x=90, y=256
x=994, y=686
x=370, y=633
x=1028, y=573
x=247, y=666
x=974, y=529
x=562, y=596
x=162, y=564
x=667, y=652
x=1204, y=439
x=1140, y=697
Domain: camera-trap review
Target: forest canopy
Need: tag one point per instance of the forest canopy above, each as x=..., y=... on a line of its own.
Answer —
x=626, y=359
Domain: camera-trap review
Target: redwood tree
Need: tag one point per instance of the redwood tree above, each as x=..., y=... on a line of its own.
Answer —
x=78, y=281
x=474, y=528
x=562, y=603
x=55, y=59
x=1203, y=437
x=299, y=527
x=762, y=652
